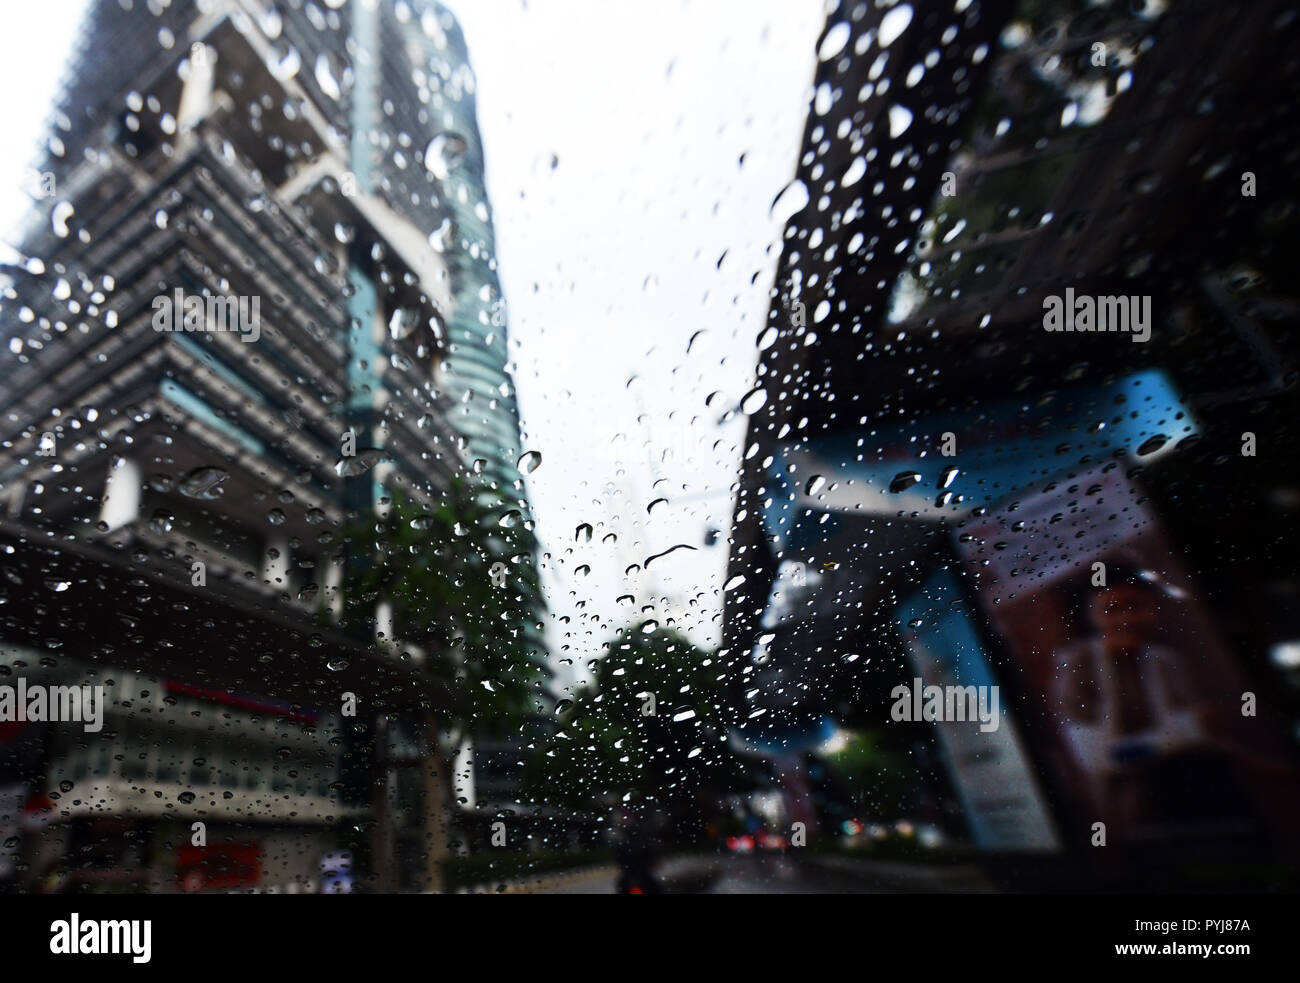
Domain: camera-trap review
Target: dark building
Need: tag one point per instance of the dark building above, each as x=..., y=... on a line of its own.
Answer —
x=940, y=470
x=262, y=301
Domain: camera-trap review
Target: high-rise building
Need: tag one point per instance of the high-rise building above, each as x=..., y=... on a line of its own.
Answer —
x=261, y=300
x=948, y=472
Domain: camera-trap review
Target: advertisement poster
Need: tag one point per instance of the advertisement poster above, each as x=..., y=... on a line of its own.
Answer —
x=1148, y=721
x=1004, y=807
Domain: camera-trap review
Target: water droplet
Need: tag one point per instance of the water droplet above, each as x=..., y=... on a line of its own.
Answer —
x=792, y=199
x=530, y=462
x=444, y=153
x=1152, y=444
x=59, y=216
x=900, y=118
x=359, y=463
x=834, y=41
x=904, y=480
x=403, y=323
x=203, y=483
x=285, y=60
x=672, y=549
x=893, y=24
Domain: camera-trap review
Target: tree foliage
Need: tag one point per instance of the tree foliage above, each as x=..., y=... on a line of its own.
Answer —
x=478, y=632
x=651, y=725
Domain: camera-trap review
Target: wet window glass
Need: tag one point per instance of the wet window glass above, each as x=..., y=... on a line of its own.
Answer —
x=776, y=447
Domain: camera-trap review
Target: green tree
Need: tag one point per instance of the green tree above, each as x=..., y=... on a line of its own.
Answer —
x=463, y=585
x=651, y=726
x=477, y=625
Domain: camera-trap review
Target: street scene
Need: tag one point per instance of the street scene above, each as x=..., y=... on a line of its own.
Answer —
x=460, y=447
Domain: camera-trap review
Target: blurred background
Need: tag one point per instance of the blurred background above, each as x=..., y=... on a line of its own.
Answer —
x=588, y=447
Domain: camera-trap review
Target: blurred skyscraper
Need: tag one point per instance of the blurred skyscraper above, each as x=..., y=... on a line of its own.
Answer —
x=940, y=475
x=261, y=296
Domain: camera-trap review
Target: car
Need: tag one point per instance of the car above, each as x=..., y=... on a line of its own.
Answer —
x=772, y=841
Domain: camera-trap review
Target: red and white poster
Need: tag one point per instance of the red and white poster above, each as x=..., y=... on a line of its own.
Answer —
x=1141, y=709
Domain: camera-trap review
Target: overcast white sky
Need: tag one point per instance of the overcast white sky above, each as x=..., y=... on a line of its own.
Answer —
x=609, y=265
x=609, y=261
x=35, y=39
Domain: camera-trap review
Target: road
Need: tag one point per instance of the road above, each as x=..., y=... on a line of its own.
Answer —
x=777, y=874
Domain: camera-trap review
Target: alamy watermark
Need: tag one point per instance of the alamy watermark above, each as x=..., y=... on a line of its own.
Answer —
x=76, y=936
x=946, y=703
x=38, y=703
x=41, y=184
x=204, y=312
x=1088, y=313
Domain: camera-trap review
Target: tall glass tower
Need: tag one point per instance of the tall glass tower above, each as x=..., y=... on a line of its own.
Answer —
x=324, y=160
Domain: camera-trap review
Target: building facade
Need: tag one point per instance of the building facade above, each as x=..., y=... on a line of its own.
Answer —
x=262, y=302
x=941, y=469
